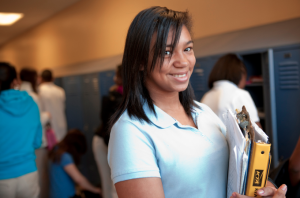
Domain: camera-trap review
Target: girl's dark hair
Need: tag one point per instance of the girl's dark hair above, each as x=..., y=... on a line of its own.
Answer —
x=7, y=75
x=74, y=143
x=47, y=75
x=29, y=75
x=228, y=67
x=157, y=20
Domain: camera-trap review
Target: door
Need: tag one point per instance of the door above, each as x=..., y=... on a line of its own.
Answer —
x=287, y=89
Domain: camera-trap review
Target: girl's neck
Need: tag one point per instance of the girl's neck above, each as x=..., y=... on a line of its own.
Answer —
x=166, y=102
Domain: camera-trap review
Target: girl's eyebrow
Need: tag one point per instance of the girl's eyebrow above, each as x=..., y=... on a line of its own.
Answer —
x=170, y=45
x=190, y=42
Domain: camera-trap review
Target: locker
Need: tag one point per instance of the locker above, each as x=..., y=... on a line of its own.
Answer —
x=199, y=78
x=82, y=112
x=91, y=99
x=106, y=81
x=90, y=105
x=74, y=113
x=58, y=82
x=287, y=91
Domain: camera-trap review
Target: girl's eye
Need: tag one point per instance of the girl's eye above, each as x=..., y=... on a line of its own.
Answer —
x=168, y=53
x=188, y=49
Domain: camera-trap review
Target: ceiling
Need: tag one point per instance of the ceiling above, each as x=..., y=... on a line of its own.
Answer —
x=35, y=12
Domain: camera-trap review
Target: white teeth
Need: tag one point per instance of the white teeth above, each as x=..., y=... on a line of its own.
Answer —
x=179, y=76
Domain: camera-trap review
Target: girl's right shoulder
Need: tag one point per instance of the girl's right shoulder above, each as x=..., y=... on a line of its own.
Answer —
x=125, y=121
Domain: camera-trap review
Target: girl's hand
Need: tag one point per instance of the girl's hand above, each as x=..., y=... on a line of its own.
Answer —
x=269, y=192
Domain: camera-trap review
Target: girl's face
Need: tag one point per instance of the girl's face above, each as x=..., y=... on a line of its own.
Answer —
x=176, y=70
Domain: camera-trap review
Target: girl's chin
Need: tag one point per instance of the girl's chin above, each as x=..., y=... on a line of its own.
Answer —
x=181, y=88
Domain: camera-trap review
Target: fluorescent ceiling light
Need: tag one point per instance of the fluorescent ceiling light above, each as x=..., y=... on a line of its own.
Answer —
x=9, y=18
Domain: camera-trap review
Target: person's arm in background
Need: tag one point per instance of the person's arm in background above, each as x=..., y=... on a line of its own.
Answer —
x=79, y=179
x=39, y=130
x=294, y=165
x=45, y=116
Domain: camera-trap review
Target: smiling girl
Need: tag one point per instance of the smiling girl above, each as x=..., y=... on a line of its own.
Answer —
x=163, y=143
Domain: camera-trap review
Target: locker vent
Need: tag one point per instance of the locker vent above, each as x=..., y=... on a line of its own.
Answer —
x=289, y=75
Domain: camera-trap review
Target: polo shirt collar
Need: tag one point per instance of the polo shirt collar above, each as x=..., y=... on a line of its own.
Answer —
x=162, y=119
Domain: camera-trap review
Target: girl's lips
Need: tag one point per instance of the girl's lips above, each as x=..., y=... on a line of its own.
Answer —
x=179, y=75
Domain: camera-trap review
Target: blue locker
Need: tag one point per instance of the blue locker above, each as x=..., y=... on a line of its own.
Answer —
x=199, y=78
x=73, y=89
x=82, y=111
x=91, y=98
x=91, y=108
x=106, y=80
x=287, y=91
x=59, y=82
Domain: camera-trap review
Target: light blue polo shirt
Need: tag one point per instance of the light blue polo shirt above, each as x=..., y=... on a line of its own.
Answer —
x=190, y=162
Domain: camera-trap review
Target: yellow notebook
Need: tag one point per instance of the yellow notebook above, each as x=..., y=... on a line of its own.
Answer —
x=258, y=168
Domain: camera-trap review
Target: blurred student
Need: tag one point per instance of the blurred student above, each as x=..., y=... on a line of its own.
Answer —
x=28, y=79
x=21, y=134
x=29, y=84
x=53, y=101
x=109, y=106
x=65, y=157
x=227, y=81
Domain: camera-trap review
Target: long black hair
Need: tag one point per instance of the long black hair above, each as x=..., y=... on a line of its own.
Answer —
x=7, y=75
x=157, y=20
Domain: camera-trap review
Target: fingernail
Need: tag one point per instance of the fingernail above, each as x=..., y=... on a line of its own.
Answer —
x=283, y=187
x=233, y=194
x=261, y=192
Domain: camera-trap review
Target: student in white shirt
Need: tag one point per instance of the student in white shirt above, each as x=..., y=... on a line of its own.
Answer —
x=53, y=100
x=29, y=84
x=226, y=82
